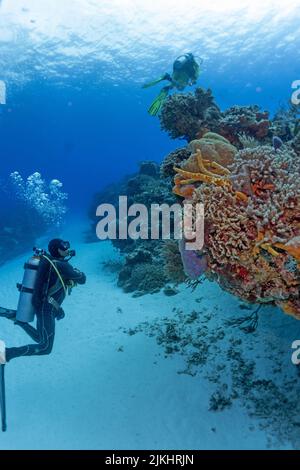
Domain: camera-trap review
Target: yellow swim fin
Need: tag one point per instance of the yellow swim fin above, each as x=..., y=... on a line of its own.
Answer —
x=158, y=102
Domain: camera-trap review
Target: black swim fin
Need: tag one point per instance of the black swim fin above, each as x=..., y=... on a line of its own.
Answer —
x=8, y=313
x=2, y=398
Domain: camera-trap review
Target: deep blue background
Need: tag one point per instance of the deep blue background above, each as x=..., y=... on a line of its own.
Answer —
x=84, y=120
x=87, y=138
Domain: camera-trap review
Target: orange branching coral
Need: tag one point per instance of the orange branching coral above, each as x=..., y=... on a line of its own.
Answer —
x=208, y=172
x=292, y=247
x=290, y=308
x=262, y=244
x=259, y=187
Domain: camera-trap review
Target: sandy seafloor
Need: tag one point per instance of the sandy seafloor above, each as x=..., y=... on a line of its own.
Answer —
x=102, y=388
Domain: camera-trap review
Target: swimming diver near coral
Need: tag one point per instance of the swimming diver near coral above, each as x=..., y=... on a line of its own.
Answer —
x=54, y=279
x=186, y=71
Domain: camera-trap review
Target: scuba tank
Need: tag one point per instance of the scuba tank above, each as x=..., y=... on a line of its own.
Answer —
x=25, y=309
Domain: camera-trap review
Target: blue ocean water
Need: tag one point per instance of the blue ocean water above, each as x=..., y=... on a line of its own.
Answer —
x=76, y=111
x=73, y=71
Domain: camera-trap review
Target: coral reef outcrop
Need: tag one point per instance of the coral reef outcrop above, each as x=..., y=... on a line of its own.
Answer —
x=252, y=243
x=244, y=168
x=190, y=115
x=286, y=122
x=144, y=270
x=173, y=159
x=249, y=120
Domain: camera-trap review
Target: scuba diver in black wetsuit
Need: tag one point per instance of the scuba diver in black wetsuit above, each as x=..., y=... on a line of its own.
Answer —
x=186, y=71
x=55, y=278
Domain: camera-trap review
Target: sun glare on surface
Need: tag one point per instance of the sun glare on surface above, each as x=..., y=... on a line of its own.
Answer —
x=52, y=35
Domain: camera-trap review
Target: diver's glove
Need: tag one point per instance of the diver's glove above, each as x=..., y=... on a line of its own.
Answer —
x=60, y=314
x=70, y=284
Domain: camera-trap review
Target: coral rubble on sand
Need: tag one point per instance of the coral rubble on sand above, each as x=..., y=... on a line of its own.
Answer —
x=251, y=200
x=231, y=363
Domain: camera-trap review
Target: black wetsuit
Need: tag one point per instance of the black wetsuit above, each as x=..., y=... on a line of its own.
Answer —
x=46, y=313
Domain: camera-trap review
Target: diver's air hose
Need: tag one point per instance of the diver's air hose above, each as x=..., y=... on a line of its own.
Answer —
x=58, y=273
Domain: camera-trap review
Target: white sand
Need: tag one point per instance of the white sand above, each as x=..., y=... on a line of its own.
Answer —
x=89, y=395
